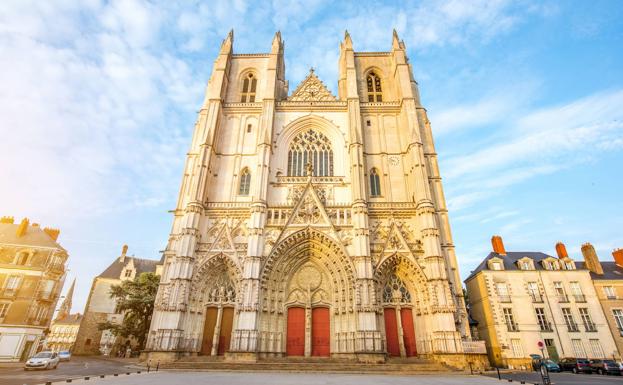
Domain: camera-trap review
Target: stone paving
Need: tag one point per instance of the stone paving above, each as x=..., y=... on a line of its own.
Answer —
x=229, y=378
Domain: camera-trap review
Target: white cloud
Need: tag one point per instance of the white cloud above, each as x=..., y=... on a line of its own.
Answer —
x=536, y=143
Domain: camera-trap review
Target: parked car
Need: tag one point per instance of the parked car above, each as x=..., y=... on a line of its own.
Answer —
x=42, y=360
x=605, y=367
x=64, y=355
x=551, y=366
x=575, y=365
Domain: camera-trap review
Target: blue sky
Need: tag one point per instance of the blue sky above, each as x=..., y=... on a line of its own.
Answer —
x=98, y=101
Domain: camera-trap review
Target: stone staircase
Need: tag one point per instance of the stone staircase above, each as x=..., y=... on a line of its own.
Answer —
x=310, y=365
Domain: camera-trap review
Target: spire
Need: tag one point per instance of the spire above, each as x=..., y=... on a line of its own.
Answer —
x=226, y=46
x=276, y=46
x=348, y=42
x=395, y=40
x=65, y=308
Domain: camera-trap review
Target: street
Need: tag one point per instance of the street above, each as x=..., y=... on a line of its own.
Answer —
x=78, y=367
x=565, y=378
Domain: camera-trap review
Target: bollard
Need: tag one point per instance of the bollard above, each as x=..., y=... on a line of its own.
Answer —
x=471, y=370
x=157, y=365
x=498, y=369
x=148, y=364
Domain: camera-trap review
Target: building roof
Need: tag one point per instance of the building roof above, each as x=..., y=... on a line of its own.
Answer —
x=141, y=265
x=511, y=258
x=612, y=271
x=72, y=319
x=34, y=236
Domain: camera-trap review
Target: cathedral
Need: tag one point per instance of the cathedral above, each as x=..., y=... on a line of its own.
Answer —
x=310, y=224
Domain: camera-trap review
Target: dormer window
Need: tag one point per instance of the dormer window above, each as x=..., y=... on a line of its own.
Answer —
x=525, y=263
x=128, y=273
x=550, y=264
x=496, y=264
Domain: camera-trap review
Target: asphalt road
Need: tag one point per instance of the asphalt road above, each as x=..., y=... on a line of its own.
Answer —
x=559, y=378
x=78, y=367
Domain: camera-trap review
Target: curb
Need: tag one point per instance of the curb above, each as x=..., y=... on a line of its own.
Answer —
x=86, y=378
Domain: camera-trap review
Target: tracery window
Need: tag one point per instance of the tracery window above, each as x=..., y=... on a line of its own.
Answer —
x=396, y=291
x=245, y=182
x=375, y=94
x=375, y=183
x=249, y=84
x=310, y=147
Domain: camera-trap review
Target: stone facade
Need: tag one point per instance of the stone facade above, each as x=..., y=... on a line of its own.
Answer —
x=32, y=274
x=608, y=281
x=101, y=308
x=522, y=298
x=310, y=224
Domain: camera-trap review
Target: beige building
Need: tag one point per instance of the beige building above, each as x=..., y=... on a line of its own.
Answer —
x=64, y=328
x=308, y=223
x=100, y=307
x=32, y=273
x=522, y=298
x=608, y=281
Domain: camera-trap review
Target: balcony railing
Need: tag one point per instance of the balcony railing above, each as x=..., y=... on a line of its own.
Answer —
x=579, y=297
x=545, y=326
x=590, y=326
x=536, y=298
x=563, y=298
x=505, y=298
x=572, y=327
x=512, y=327
x=611, y=297
x=44, y=294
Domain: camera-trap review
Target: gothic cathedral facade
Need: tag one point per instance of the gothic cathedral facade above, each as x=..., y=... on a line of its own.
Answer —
x=310, y=224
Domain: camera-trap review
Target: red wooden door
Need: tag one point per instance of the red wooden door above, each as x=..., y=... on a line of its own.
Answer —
x=226, y=326
x=295, y=340
x=391, y=332
x=321, y=332
x=406, y=316
x=208, y=330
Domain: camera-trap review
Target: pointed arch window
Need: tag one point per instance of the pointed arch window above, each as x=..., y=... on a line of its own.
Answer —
x=245, y=182
x=375, y=93
x=249, y=85
x=395, y=291
x=310, y=147
x=375, y=183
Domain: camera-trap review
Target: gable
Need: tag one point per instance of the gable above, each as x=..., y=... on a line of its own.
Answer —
x=311, y=89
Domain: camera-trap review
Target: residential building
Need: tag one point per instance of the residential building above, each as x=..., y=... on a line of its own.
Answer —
x=522, y=298
x=100, y=307
x=32, y=273
x=64, y=328
x=608, y=280
x=306, y=213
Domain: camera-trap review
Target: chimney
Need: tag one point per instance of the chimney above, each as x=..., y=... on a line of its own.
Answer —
x=498, y=245
x=590, y=259
x=561, y=250
x=6, y=219
x=23, y=226
x=53, y=233
x=124, y=250
x=618, y=256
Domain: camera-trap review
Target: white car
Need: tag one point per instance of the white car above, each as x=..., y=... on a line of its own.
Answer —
x=42, y=360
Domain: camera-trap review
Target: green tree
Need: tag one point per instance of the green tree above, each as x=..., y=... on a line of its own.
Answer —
x=135, y=299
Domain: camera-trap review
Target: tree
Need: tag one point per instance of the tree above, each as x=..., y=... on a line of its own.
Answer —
x=135, y=299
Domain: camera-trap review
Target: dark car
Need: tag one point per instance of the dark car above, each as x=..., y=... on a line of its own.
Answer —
x=605, y=367
x=575, y=365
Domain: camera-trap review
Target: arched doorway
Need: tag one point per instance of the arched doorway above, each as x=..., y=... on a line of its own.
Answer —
x=307, y=298
x=398, y=304
x=214, y=295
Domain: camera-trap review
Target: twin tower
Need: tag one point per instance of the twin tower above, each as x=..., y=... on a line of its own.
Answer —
x=310, y=224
